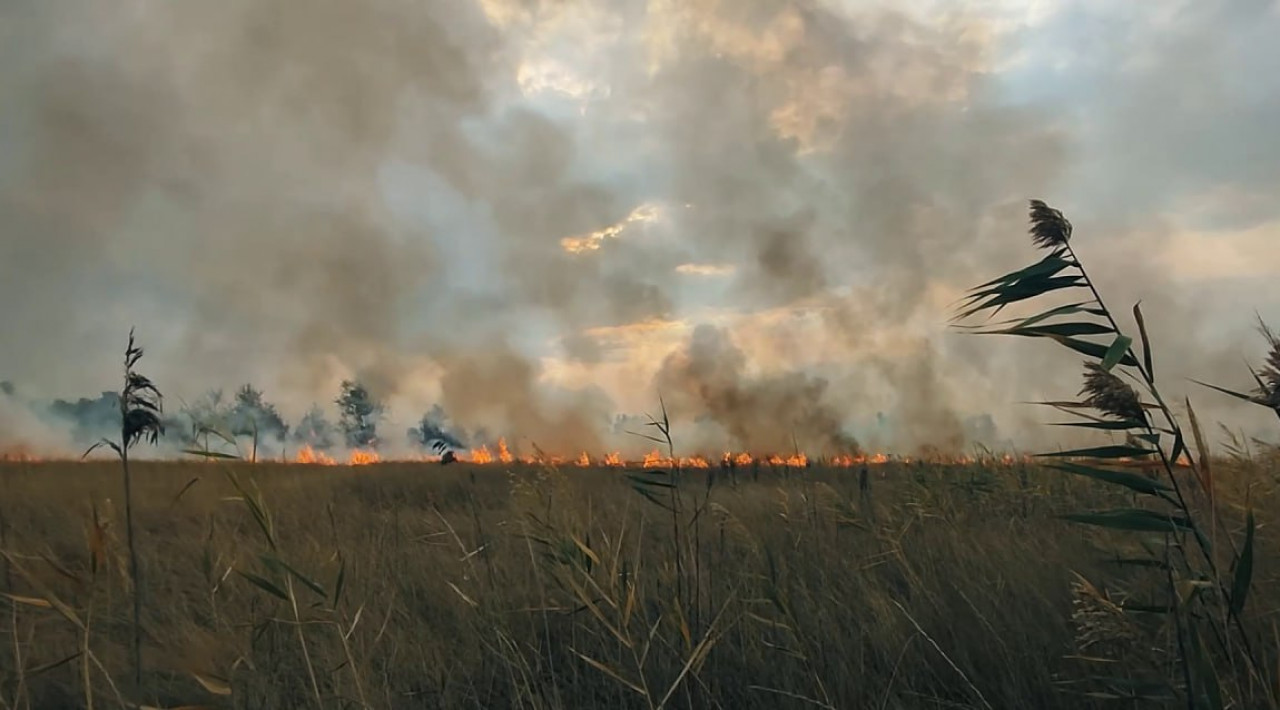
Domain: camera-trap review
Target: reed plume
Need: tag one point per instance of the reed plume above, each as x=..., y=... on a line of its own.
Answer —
x=1050, y=229
x=1109, y=394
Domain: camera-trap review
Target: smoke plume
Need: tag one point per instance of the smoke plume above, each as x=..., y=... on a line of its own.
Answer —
x=769, y=413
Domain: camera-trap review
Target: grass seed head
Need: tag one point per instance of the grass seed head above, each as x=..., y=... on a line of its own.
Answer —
x=1101, y=624
x=141, y=403
x=1110, y=395
x=1050, y=229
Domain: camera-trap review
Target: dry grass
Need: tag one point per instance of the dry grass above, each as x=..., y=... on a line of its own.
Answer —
x=411, y=586
x=1205, y=650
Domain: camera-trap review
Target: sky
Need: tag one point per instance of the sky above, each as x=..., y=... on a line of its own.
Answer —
x=541, y=213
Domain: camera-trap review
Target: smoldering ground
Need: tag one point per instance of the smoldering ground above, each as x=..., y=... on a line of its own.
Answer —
x=296, y=193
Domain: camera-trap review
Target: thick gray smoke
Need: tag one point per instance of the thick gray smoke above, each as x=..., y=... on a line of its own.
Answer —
x=708, y=378
x=522, y=210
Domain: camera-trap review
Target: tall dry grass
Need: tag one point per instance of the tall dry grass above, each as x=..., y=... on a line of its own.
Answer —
x=1203, y=555
x=410, y=586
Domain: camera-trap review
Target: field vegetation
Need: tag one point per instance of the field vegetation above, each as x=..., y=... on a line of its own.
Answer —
x=1135, y=573
x=416, y=585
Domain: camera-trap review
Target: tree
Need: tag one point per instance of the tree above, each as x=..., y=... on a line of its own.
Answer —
x=314, y=430
x=90, y=419
x=208, y=416
x=435, y=427
x=251, y=415
x=359, y=415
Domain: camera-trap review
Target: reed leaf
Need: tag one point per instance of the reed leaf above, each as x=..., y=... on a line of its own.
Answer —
x=1092, y=349
x=1055, y=329
x=1146, y=341
x=1132, y=481
x=1021, y=291
x=1132, y=519
x=1102, y=452
x=1119, y=349
x=264, y=584
x=1051, y=264
x=1103, y=425
x=1069, y=309
x=1243, y=577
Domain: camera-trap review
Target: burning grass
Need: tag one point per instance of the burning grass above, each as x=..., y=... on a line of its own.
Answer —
x=501, y=455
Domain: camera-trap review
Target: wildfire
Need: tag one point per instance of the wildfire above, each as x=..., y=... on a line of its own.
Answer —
x=483, y=454
x=309, y=455
x=359, y=457
x=848, y=460
x=795, y=460
x=654, y=459
x=480, y=455
x=19, y=454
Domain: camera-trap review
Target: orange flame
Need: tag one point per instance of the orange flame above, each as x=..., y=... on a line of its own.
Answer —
x=480, y=455
x=309, y=455
x=19, y=454
x=848, y=460
x=654, y=459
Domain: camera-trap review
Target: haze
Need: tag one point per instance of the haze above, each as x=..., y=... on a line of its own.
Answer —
x=541, y=214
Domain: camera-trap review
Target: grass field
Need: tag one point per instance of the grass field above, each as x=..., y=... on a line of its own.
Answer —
x=1135, y=573
x=422, y=586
